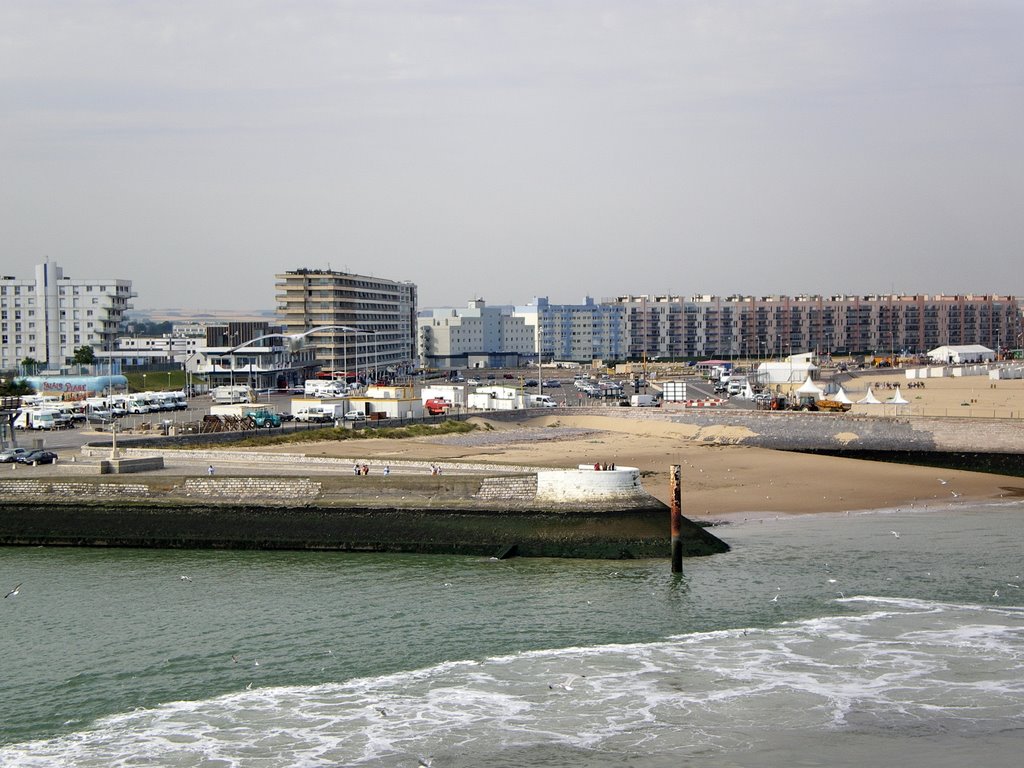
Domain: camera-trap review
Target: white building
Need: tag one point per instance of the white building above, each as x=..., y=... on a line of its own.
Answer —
x=956, y=355
x=476, y=336
x=48, y=317
x=578, y=332
x=382, y=312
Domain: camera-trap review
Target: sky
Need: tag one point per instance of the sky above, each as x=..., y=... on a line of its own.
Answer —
x=515, y=148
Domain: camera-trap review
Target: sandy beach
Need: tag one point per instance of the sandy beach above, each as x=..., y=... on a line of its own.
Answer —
x=727, y=480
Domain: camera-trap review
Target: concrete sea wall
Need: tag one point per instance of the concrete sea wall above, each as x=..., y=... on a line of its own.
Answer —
x=484, y=516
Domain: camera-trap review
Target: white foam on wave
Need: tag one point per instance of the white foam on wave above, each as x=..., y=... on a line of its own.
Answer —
x=910, y=661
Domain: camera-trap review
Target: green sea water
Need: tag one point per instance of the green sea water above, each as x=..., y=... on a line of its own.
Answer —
x=818, y=640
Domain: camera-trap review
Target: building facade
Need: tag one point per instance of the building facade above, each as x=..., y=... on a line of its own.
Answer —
x=381, y=314
x=476, y=336
x=576, y=332
x=674, y=327
x=48, y=317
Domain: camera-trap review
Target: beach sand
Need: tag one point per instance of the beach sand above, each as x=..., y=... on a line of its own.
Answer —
x=717, y=480
x=728, y=480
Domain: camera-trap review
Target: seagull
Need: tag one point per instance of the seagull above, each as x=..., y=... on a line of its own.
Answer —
x=14, y=592
x=185, y=578
x=996, y=593
x=383, y=712
x=943, y=481
x=956, y=495
x=248, y=687
x=234, y=658
x=423, y=762
x=895, y=533
x=776, y=598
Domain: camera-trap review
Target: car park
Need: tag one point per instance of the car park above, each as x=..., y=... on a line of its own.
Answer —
x=11, y=455
x=38, y=456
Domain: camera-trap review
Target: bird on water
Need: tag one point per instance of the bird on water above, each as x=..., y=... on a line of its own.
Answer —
x=14, y=592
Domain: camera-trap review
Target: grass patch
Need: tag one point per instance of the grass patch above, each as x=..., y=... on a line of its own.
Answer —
x=332, y=434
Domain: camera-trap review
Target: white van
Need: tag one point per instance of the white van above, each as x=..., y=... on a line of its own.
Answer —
x=542, y=401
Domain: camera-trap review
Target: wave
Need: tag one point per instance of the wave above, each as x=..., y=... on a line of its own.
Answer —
x=903, y=668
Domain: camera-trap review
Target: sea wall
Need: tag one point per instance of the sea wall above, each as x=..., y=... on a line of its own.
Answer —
x=450, y=515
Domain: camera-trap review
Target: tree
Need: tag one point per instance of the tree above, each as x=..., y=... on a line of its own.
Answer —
x=30, y=364
x=84, y=356
x=15, y=388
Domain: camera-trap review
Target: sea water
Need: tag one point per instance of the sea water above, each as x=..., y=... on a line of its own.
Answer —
x=860, y=639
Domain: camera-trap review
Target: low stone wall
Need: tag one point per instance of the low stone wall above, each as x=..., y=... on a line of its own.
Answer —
x=65, y=490
x=298, y=488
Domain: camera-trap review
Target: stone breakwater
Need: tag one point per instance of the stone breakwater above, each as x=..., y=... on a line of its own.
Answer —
x=453, y=514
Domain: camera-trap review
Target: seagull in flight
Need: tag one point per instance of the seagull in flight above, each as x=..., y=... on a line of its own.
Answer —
x=943, y=481
x=775, y=599
x=14, y=592
x=996, y=593
x=895, y=533
x=185, y=578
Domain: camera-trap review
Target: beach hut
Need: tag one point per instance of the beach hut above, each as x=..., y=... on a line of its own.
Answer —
x=869, y=399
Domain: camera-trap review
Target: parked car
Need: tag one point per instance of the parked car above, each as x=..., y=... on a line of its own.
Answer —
x=354, y=415
x=38, y=456
x=552, y=383
x=530, y=383
x=11, y=455
x=507, y=376
x=473, y=382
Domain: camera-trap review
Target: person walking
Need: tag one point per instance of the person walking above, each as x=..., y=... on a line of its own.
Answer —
x=209, y=470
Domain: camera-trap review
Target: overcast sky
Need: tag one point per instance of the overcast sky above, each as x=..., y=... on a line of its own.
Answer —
x=516, y=148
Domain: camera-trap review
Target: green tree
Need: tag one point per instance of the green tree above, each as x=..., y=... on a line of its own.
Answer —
x=15, y=388
x=30, y=364
x=84, y=356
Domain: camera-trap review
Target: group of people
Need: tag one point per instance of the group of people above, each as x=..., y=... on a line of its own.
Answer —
x=364, y=469
x=598, y=466
x=435, y=470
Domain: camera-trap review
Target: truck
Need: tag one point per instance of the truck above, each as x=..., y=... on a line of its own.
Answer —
x=436, y=406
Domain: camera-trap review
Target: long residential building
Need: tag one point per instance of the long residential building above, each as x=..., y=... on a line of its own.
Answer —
x=48, y=317
x=675, y=327
x=380, y=316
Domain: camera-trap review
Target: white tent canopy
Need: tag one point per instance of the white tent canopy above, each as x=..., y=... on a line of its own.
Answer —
x=869, y=399
x=842, y=397
x=810, y=388
x=897, y=399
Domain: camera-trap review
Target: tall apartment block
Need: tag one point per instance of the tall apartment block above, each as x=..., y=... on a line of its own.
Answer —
x=578, y=332
x=476, y=336
x=382, y=314
x=776, y=326
x=50, y=316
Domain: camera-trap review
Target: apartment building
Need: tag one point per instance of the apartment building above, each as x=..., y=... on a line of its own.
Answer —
x=675, y=327
x=475, y=336
x=369, y=322
x=49, y=316
x=576, y=332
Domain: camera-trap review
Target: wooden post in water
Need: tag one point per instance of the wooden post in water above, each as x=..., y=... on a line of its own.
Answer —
x=677, y=520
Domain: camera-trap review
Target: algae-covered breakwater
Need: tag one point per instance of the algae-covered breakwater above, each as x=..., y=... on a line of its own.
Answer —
x=450, y=515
